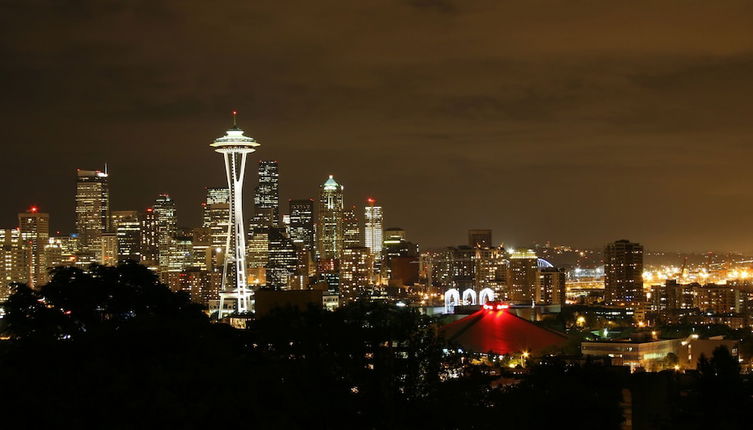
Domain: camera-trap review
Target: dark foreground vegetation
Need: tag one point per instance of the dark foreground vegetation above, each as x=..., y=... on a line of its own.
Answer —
x=116, y=349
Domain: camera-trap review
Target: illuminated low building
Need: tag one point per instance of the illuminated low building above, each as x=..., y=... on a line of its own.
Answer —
x=632, y=353
x=657, y=355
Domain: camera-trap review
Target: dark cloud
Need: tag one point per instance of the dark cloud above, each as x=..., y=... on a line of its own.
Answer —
x=575, y=122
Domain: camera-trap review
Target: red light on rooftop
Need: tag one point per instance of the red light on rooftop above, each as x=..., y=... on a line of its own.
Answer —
x=371, y=200
x=33, y=209
x=149, y=209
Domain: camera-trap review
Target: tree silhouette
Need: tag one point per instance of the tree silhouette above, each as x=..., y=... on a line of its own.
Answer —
x=77, y=301
x=113, y=347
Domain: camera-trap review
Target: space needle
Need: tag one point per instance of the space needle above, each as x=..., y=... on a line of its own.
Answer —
x=234, y=146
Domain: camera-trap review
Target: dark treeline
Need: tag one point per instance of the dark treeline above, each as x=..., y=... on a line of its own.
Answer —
x=114, y=348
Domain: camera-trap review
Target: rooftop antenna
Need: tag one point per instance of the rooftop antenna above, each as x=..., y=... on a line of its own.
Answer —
x=105, y=167
x=235, y=119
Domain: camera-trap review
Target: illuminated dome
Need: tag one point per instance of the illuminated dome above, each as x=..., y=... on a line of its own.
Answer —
x=543, y=264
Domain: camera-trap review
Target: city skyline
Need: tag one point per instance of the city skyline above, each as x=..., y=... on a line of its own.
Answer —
x=635, y=136
x=377, y=215
x=196, y=214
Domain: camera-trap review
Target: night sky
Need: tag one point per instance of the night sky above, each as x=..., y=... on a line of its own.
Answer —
x=576, y=122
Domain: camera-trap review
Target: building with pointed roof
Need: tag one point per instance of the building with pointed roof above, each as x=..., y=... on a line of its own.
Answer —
x=495, y=329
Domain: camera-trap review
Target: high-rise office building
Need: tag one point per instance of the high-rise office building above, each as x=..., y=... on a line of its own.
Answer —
x=217, y=195
x=234, y=147
x=399, y=257
x=551, y=289
x=523, y=276
x=108, y=254
x=149, y=239
x=393, y=234
x=216, y=215
x=302, y=222
x=329, y=232
x=352, y=237
x=204, y=254
x=491, y=269
x=257, y=251
x=355, y=273
x=11, y=260
x=373, y=228
x=180, y=254
x=35, y=233
x=281, y=261
x=127, y=228
x=623, y=273
x=480, y=238
x=167, y=226
x=92, y=209
x=267, y=197
x=62, y=251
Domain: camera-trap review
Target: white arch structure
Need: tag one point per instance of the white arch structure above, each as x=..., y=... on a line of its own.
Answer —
x=469, y=293
x=451, y=299
x=486, y=295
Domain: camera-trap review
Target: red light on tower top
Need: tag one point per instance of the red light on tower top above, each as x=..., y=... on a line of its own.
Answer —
x=371, y=200
x=33, y=209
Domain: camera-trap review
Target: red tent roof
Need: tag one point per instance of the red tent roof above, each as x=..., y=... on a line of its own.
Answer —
x=501, y=332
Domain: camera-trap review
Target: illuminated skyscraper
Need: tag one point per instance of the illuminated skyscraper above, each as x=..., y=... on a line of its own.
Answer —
x=373, y=228
x=11, y=260
x=35, y=233
x=329, y=232
x=167, y=226
x=234, y=147
x=399, y=255
x=180, y=252
x=204, y=254
x=149, y=239
x=108, y=254
x=92, y=209
x=523, y=276
x=282, y=259
x=61, y=251
x=302, y=222
x=216, y=215
x=623, y=273
x=257, y=252
x=352, y=237
x=267, y=197
x=491, y=269
x=551, y=289
x=127, y=227
x=301, y=230
x=355, y=273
